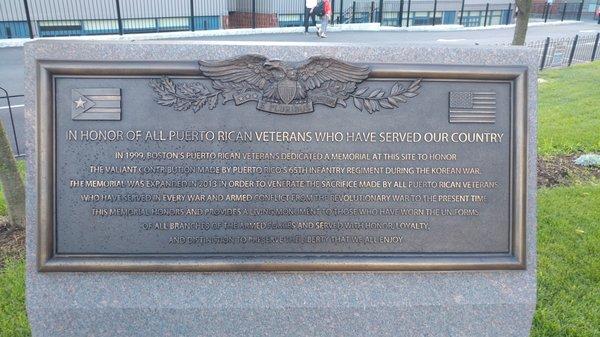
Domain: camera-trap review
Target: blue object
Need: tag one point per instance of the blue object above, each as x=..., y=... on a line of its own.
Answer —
x=588, y=160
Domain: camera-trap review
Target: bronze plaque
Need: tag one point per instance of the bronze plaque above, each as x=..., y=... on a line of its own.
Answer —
x=251, y=163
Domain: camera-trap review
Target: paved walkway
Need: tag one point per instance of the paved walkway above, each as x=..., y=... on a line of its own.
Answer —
x=490, y=36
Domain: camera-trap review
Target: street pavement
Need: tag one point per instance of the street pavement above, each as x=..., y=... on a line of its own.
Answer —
x=11, y=71
x=12, y=76
x=11, y=79
x=490, y=36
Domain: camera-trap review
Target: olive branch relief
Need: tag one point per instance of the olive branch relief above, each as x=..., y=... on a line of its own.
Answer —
x=195, y=95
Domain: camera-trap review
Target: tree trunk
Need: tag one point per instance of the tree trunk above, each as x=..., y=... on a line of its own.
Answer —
x=522, y=17
x=14, y=190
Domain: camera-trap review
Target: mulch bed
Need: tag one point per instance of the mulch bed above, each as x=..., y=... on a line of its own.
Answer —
x=12, y=244
x=562, y=171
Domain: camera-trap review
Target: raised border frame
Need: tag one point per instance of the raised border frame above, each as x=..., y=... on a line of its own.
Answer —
x=49, y=261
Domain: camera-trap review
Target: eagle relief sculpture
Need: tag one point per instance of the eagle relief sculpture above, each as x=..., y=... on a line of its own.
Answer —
x=281, y=88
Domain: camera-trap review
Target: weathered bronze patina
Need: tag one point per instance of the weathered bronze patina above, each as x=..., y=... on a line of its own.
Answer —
x=316, y=165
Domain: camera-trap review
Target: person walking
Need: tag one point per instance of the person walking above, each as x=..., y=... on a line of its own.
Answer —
x=325, y=18
x=309, y=11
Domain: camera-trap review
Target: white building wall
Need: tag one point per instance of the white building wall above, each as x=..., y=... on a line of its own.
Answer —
x=289, y=6
x=106, y=9
x=13, y=10
x=262, y=6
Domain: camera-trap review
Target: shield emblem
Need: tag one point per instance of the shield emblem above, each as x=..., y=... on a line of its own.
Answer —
x=287, y=90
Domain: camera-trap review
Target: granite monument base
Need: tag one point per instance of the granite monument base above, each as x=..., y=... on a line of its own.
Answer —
x=474, y=303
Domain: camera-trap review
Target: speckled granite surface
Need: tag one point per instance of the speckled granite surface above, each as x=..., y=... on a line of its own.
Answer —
x=478, y=304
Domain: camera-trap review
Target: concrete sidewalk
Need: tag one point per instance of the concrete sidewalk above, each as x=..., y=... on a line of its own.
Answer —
x=211, y=34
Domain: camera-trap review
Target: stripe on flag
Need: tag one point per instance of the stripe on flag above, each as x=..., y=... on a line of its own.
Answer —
x=472, y=107
x=96, y=104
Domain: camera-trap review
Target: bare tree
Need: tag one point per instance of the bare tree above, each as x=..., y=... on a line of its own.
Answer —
x=14, y=190
x=522, y=17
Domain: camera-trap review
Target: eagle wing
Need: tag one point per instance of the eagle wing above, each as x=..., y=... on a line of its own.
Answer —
x=248, y=68
x=320, y=69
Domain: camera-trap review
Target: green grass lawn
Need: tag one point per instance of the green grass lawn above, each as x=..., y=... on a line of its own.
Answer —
x=3, y=210
x=569, y=110
x=568, y=262
x=13, y=319
x=568, y=219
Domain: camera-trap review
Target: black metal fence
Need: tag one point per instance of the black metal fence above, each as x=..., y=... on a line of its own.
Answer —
x=406, y=13
x=560, y=11
x=41, y=18
x=563, y=52
x=7, y=118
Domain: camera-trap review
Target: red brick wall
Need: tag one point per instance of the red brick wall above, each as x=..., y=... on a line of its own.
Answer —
x=244, y=20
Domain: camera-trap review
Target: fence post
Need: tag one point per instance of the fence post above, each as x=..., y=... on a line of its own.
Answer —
x=119, y=20
x=12, y=122
x=509, y=14
x=462, y=11
x=400, y=13
x=544, y=53
x=253, y=14
x=332, y=13
x=487, y=8
x=28, y=18
x=381, y=12
x=192, y=24
x=372, y=11
x=353, y=11
x=408, y=14
x=579, y=11
x=434, y=12
x=341, y=17
x=595, y=47
x=562, y=17
x=573, y=49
